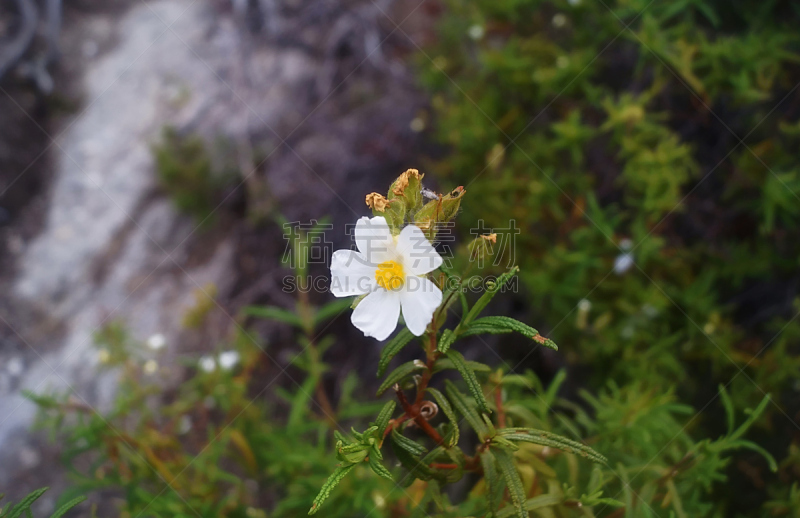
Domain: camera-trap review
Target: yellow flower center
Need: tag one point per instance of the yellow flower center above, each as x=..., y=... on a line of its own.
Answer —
x=390, y=275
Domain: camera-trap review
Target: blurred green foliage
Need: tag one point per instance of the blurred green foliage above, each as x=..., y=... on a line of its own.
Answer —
x=647, y=152
x=194, y=173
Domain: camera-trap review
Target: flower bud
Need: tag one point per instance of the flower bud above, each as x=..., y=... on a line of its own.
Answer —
x=393, y=210
x=482, y=247
x=407, y=187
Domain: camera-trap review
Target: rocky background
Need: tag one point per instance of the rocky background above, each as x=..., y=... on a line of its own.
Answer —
x=317, y=102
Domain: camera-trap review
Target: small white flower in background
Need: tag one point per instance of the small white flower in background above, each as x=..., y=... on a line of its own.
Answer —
x=476, y=32
x=623, y=263
x=156, y=342
x=228, y=359
x=207, y=364
x=391, y=271
x=574, y=2
x=103, y=356
x=15, y=366
x=559, y=21
x=185, y=424
x=150, y=367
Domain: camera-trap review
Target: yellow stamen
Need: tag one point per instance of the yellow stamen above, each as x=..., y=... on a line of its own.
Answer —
x=390, y=275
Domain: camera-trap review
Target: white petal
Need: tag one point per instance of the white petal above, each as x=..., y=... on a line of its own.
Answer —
x=374, y=239
x=351, y=274
x=377, y=314
x=419, y=256
x=419, y=298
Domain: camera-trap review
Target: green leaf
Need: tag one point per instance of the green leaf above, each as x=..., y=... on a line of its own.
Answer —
x=730, y=413
x=491, y=478
x=553, y=440
x=488, y=295
x=500, y=324
x=411, y=446
x=465, y=409
x=506, y=323
x=26, y=502
x=749, y=445
x=391, y=349
x=514, y=484
x=416, y=468
x=385, y=415
x=397, y=375
x=445, y=363
x=66, y=507
x=339, y=473
x=532, y=504
x=484, y=330
x=444, y=404
x=379, y=468
x=446, y=340
x=754, y=415
x=274, y=313
x=469, y=377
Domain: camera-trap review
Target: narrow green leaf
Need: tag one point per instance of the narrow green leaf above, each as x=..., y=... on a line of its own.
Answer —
x=730, y=413
x=506, y=323
x=385, y=415
x=394, y=346
x=446, y=340
x=397, y=375
x=444, y=404
x=379, y=468
x=409, y=445
x=465, y=409
x=469, y=377
x=489, y=294
x=532, y=504
x=484, y=330
x=25, y=503
x=491, y=478
x=274, y=313
x=66, y=507
x=754, y=415
x=505, y=462
x=553, y=440
x=416, y=468
x=445, y=363
x=749, y=445
x=338, y=474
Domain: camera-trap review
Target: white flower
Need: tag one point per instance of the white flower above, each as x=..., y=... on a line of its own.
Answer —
x=391, y=271
x=208, y=363
x=150, y=367
x=623, y=263
x=228, y=359
x=156, y=342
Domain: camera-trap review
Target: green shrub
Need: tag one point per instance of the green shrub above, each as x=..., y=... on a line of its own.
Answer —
x=605, y=143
